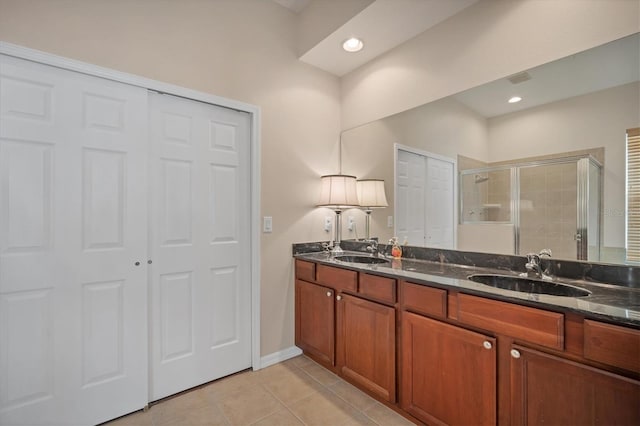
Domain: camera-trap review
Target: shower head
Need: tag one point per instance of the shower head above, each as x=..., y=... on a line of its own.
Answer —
x=480, y=178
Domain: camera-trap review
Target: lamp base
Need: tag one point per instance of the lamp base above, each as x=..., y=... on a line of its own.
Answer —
x=337, y=250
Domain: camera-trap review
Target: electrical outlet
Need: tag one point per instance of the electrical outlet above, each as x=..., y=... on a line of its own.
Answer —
x=350, y=223
x=389, y=221
x=327, y=223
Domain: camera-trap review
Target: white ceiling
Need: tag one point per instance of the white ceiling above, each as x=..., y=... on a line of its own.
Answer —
x=382, y=25
x=609, y=65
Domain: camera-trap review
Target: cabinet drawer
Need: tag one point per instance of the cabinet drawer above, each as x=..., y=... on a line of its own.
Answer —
x=336, y=278
x=305, y=270
x=526, y=324
x=379, y=288
x=612, y=344
x=425, y=300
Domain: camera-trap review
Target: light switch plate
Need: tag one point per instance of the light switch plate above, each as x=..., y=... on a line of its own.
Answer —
x=267, y=224
x=389, y=221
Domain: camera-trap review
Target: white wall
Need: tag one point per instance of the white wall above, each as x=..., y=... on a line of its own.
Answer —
x=489, y=40
x=243, y=50
x=590, y=121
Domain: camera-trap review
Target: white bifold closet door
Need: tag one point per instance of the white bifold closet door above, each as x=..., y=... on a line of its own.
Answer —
x=200, y=239
x=73, y=208
x=425, y=203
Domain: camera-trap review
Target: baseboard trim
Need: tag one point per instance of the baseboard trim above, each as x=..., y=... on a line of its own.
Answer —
x=279, y=356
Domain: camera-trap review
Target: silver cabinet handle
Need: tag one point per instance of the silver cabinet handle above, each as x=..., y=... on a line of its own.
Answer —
x=487, y=344
x=515, y=353
x=338, y=297
x=328, y=294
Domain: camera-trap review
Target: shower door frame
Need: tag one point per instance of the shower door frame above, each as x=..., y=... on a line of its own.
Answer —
x=582, y=204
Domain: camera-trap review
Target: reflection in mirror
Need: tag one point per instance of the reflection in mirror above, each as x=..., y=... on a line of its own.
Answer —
x=576, y=107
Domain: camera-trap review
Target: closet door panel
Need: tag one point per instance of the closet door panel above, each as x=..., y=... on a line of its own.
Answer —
x=72, y=214
x=199, y=242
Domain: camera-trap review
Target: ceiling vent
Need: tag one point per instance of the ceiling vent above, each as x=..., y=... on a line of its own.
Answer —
x=521, y=77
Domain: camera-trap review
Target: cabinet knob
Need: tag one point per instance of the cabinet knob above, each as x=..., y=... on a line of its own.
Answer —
x=137, y=263
x=487, y=344
x=338, y=297
x=328, y=294
x=515, y=353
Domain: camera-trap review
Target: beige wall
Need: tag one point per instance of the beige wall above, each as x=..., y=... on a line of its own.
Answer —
x=243, y=50
x=489, y=40
x=445, y=127
x=583, y=122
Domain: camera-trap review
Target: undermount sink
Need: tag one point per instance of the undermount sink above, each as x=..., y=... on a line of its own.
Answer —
x=361, y=259
x=528, y=285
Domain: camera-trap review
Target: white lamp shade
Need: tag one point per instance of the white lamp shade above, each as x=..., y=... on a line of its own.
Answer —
x=338, y=191
x=371, y=193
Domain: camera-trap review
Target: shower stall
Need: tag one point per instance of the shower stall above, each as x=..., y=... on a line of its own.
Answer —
x=554, y=203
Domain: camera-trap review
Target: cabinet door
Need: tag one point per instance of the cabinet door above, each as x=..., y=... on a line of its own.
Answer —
x=366, y=339
x=315, y=332
x=549, y=390
x=448, y=373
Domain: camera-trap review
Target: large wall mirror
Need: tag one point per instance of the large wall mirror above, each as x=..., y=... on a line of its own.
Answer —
x=539, y=173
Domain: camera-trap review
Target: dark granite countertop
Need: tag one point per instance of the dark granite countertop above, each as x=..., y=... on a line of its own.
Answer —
x=612, y=303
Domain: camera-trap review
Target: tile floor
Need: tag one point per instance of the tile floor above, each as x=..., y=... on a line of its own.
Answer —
x=295, y=392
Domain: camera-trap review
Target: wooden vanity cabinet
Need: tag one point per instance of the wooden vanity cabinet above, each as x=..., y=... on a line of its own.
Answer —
x=448, y=373
x=347, y=321
x=315, y=316
x=465, y=359
x=366, y=345
x=547, y=389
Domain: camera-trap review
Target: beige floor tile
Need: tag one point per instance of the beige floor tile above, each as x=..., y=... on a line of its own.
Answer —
x=267, y=375
x=293, y=386
x=385, y=416
x=352, y=395
x=177, y=410
x=322, y=375
x=325, y=408
x=283, y=417
x=249, y=405
x=221, y=388
x=300, y=361
x=138, y=418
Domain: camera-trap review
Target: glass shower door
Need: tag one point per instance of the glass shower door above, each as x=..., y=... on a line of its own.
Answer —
x=548, y=209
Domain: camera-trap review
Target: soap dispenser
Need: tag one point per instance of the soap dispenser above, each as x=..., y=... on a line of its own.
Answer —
x=396, y=250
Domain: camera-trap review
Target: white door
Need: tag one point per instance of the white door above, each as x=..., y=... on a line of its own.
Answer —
x=73, y=303
x=411, y=178
x=440, y=220
x=200, y=243
x=425, y=199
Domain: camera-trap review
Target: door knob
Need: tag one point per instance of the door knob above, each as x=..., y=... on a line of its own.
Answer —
x=137, y=263
x=515, y=353
x=338, y=297
x=328, y=294
x=487, y=344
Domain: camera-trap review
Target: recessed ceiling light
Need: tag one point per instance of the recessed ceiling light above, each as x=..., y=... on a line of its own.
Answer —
x=515, y=99
x=353, y=45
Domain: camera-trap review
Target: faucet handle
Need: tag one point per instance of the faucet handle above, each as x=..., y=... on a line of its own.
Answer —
x=545, y=252
x=326, y=247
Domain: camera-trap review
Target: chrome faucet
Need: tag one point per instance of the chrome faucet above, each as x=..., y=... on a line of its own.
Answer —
x=533, y=265
x=373, y=248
